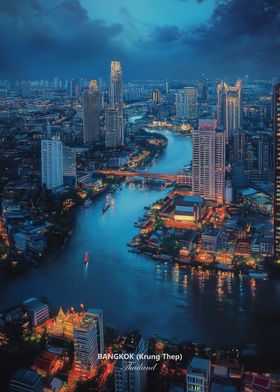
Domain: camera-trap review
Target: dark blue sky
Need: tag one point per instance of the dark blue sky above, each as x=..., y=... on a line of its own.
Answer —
x=152, y=38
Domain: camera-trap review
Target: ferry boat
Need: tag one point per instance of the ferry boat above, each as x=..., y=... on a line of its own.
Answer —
x=87, y=203
x=86, y=257
x=258, y=275
x=107, y=204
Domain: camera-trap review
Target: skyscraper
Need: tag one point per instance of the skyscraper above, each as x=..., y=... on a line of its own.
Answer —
x=127, y=379
x=86, y=345
x=116, y=85
x=98, y=314
x=229, y=107
x=186, y=104
x=209, y=161
x=114, y=127
x=51, y=161
x=277, y=173
x=114, y=118
x=91, y=114
x=69, y=167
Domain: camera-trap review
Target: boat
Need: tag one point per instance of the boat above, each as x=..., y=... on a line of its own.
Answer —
x=87, y=203
x=86, y=257
x=107, y=204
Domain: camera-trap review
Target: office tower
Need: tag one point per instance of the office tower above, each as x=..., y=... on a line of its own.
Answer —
x=166, y=87
x=204, y=88
x=126, y=378
x=69, y=167
x=91, y=114
x=208, y=161
x=25, y=89
x=156, y=96
x=26, y=381
x=114, y=127
x=86, y=345
x=51, y=161
x=186, y=104
x=98, y=314
x=198, y=375
x=71, y=86
x=116, y=85
x=229, y=107
x=237, y=159
x=277, y=172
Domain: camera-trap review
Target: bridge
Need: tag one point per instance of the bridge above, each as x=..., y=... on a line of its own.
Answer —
x=123, y=173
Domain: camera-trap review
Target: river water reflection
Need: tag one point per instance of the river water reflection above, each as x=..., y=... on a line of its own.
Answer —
x=136, y=292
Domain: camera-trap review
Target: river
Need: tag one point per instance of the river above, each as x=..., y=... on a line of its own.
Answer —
x=136, y=292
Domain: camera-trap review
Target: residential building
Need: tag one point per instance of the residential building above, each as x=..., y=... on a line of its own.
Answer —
x=277, y=173
x=69, y=167
x=126, y=378
x=208, y=161
x=198, y=375
x=186, y=104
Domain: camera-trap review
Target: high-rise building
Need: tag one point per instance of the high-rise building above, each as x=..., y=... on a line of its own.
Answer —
x=25, y=89
x=198, y=375
x=69, y=167
x=237, y=158
x=91, y=114
x=156, y=96
x=114, y=127
x=98, y=314
x=208, y=161
x=127, y=379
x=51, y=161
x=186, y=104
x=86, y=345
x=229, y=107
x=116, y=85
x=204, y=88
x=26, y=381
x=277, y=172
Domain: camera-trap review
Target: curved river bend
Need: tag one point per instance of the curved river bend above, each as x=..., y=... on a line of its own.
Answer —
x=136, y=292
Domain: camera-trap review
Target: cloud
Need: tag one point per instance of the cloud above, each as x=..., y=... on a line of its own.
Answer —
x=39, y=38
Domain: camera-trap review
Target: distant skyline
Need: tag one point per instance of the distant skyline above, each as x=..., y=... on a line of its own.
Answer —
x=176, y=39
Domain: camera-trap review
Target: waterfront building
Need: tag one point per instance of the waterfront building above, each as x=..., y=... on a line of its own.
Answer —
x=186, y=104
x=208, y=161
x=188, y=209
x=91, y=114
x=38, y=312
x=229, y=107
x=127, y=378
x=116, y=85
x=86, y=345
x=98, y=314
x=51, y=161
x=277, y=173
x=114, y=127
x=69, y=167
x=26, y=381
x=198, y=375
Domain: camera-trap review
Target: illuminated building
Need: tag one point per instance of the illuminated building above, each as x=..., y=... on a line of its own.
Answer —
x=156, y=96
x=86, y=344
x=198, y=375
x=69, y=167
x=51, y=161
x=91, y=114
x=186, y=104
x=208, y=161
x=116, y=85
x=237, y=157
x=38, y=312
x=65, y=323
x=130, y=380
x=277, y=173
x=98, y=315
x=26, y=381
x=229, y=107
x=114, y=127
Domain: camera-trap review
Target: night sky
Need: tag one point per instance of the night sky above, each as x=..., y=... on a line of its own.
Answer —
x=152, y=38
